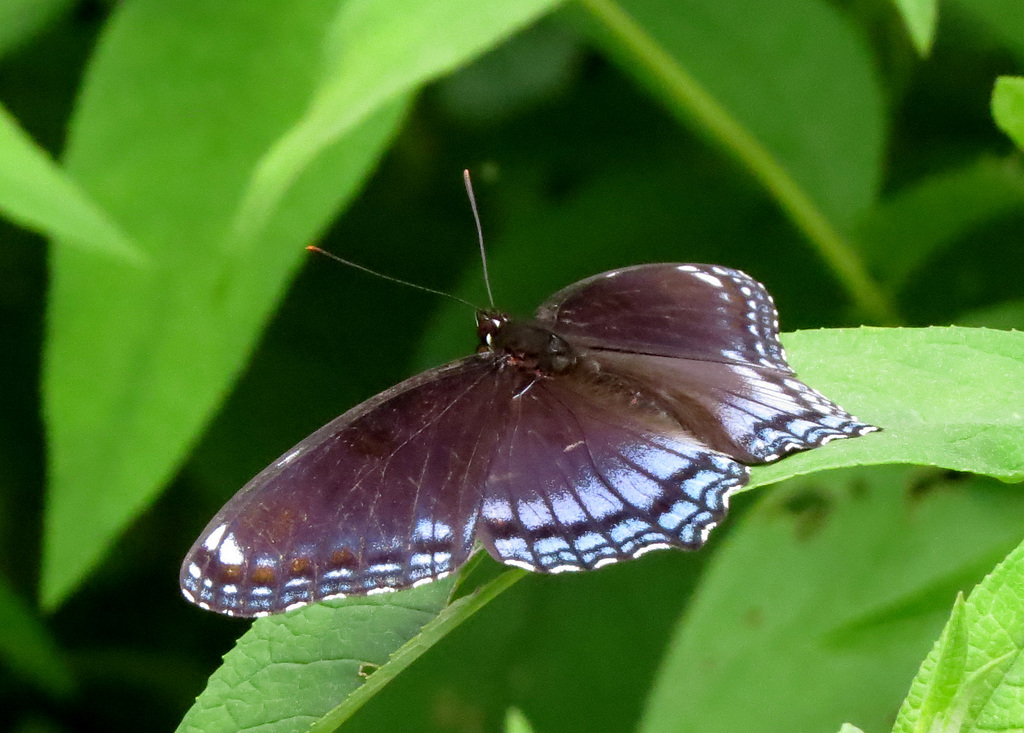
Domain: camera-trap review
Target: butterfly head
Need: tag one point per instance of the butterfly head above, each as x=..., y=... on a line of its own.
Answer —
x=525, y=343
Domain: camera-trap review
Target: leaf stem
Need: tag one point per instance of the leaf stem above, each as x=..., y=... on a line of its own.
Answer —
x=687, y=97
x=431, y=633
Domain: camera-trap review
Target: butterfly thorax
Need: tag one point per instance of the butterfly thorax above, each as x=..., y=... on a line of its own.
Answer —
x=525, y=343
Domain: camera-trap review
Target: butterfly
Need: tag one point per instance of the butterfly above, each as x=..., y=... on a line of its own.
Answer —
x=615, y=422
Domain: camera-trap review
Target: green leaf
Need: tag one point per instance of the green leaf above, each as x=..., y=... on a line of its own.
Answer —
x=948, y=673
x=36, y=194
x=1008, y=107
x=918, y=222
x=921, y=18
x=137, y=362
x=313, y=668
x=516, y=722
x=988, y=691
x=823, y=597
x=376, y=51
x=287, y=671
x=28, y=649
x=947, y=397
x=763, y=80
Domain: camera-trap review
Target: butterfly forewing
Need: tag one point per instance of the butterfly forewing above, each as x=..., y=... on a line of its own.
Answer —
x=704, y=341
x=686, y=311
x=384, y=497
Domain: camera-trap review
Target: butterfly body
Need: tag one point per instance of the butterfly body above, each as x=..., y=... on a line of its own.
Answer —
x=527, y=344
x=615, y=422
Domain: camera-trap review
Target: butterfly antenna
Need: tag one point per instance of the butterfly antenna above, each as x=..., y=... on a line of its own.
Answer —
x=367, y=270
x=479, y=234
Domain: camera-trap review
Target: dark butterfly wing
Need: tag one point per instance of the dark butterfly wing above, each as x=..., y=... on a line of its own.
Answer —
x=384, y=497
x=687, y=311
x=704, y=341
x=681, y=381
x=752, y=413
x=579, y=482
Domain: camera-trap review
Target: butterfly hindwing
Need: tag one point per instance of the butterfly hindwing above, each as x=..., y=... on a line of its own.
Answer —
x=578, y=483
x=384, y=497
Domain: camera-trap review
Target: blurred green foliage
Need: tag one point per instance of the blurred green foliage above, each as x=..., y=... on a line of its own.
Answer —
x=165, y=336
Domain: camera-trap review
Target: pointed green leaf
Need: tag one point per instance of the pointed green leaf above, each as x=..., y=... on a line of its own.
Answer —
x=376, y=51
x=179, y=103
x=988, y=696
x=38, y=195
x=921, y=18
x=949, y=672
x=1008, y=107
x=516, y=722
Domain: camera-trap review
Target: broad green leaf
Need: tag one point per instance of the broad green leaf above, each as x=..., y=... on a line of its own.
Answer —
x=820, y=602
x=179, y=103
x=36, y=194
x=902, y=233
x=921, y=17
x=946, y=397
x=20, y=19
x=763, y=81
x=376, y=51
x=988, y=696
x=347, y=651
x=1008, y=107
x=27, y=649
